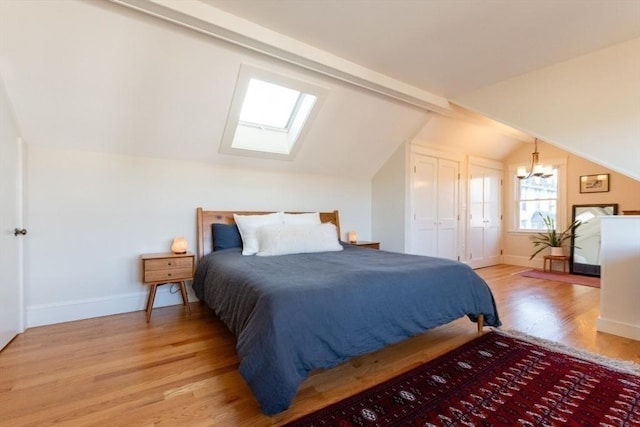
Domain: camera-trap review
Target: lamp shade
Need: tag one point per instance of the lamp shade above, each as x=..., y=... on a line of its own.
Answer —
x=352, y=236
x=179, y=245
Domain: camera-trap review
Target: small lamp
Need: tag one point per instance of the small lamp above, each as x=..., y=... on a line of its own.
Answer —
x=179, y=245
x=352, y=236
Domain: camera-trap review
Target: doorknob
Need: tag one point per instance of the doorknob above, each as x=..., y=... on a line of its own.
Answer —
x=20, y=231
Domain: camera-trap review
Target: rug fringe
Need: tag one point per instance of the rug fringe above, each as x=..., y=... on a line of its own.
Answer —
x=625, y=366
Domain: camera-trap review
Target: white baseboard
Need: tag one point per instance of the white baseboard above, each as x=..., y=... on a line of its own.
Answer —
x=67, y=311
x=523, y=261
x=618, y=328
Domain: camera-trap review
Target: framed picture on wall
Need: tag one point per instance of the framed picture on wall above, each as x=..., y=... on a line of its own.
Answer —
x=594, y=183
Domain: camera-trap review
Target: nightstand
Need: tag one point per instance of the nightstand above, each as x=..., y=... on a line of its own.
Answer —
x=162, y=269
x=364, y=244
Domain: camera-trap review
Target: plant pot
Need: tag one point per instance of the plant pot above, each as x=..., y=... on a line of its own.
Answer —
x=557, y=251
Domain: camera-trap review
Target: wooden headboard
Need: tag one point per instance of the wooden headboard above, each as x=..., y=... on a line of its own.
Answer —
x=204, y=219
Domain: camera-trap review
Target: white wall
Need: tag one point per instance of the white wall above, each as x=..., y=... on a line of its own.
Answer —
x=587, y=106
x=90, y=216
x=389, y=202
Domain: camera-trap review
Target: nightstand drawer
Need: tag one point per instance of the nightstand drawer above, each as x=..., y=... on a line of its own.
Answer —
x=168, y=263
x=371, y=245
x=176, y=274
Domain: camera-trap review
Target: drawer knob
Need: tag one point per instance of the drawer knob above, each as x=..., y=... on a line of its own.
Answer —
x=169, y=274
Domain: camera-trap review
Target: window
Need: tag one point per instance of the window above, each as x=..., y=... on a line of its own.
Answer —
x=269, y=114
x=536, y=198
x=269, y=105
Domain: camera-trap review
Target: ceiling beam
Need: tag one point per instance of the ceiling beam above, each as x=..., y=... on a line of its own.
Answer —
x=214, y=22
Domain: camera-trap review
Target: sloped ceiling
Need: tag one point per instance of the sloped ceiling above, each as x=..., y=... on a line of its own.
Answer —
x=448, y=47
x=589, y=106
x=95, y=75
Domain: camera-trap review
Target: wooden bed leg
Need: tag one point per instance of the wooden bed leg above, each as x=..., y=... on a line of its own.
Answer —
x=480, y=323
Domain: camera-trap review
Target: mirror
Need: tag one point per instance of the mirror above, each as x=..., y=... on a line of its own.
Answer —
x=585, y=246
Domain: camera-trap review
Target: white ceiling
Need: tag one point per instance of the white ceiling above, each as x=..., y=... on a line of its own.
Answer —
x=94, y=75
x=448, y=47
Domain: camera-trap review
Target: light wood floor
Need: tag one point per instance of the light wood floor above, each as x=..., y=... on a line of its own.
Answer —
x=181, y=370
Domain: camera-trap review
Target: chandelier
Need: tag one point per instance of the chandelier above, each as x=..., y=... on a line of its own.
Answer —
x=537, y=168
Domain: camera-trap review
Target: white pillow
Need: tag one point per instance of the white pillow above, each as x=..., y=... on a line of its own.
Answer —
x=303, y=218
x=248, y=225
x=297, y=239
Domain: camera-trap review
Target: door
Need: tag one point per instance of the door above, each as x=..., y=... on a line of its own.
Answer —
x=423, y=236
x=447, y=209
x=10, y=245
x=485, y=216
x=434, y=200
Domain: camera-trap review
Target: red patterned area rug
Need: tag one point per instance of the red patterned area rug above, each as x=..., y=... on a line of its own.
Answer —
x=576, y=279
x=496, y=380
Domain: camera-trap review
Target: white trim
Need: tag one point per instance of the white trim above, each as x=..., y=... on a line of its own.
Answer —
x=20, y=217
x=487, y=163
x=231, y=127
x=435, y=152
x=618, y=328
x=48, y=314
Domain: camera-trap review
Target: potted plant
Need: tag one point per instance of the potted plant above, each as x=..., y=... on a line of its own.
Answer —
x=552, y=238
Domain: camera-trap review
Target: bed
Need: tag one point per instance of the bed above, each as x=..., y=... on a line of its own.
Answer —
x=295, y=313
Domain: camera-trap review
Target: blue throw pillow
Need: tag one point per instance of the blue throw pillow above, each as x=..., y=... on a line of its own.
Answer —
x=226, y=236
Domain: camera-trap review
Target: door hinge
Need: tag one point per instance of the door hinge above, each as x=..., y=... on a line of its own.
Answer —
x=458, y=257
x=500, y=251
x=470, y=256
x=414, y=169
x=501, y=182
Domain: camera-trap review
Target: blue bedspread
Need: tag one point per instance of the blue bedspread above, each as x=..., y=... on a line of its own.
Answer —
x=295, y=313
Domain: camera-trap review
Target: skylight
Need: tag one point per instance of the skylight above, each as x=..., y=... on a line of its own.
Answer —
x=266, y=104
x=268, y=114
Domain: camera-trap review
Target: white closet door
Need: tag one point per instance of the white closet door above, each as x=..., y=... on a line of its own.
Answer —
x=493, y=215
x=423, y=235
x=434, y=200
x=475, y=236
x=485, y=217
x=447, y=194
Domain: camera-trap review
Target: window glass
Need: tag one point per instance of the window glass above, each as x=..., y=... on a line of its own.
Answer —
x=269, y=115
x=536, y=198
x=267, y=104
